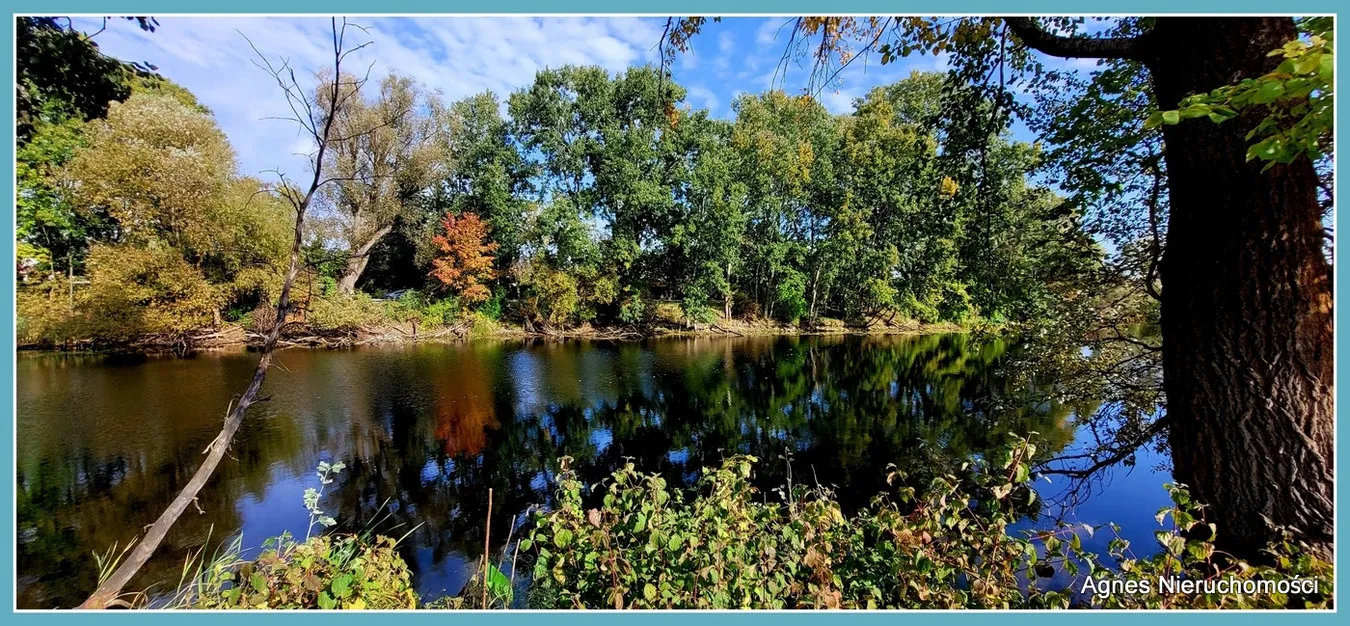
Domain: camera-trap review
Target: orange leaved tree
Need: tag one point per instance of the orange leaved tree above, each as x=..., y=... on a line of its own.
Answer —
x=464, y=261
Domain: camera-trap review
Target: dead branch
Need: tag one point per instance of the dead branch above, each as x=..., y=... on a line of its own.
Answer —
x=319, y=121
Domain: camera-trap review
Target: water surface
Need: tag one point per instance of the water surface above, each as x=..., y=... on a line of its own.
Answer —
x=105, y=442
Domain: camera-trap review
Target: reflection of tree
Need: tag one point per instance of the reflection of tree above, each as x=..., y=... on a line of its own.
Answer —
x=427, y=430
x=464, y=407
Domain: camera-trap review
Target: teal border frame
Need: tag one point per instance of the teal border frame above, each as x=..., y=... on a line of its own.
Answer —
x=685, y=7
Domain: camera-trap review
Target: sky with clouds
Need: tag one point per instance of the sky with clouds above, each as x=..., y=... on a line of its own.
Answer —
x=459, y=56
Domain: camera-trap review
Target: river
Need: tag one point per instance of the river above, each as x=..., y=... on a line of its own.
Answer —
x=105, y=441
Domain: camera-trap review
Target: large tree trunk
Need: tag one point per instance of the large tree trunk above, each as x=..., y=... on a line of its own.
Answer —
x=351, y=273
x=357, y=261
x=1247, y=304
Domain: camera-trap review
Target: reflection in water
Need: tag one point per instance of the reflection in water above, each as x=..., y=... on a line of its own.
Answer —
x=426, y=430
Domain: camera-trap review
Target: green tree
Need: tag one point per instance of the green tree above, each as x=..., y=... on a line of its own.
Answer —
x=785, y=146
x=481, y=171
x=1244, y=241
x=58, y=65
x=162, y=177
x=705, y=242
x=158, y=168
x=382, y=160
x=52, y=234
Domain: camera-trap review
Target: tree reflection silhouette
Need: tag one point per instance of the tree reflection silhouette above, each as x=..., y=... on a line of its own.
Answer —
x=426, y=430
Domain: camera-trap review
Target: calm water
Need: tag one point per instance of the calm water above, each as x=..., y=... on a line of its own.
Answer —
x=105, y=442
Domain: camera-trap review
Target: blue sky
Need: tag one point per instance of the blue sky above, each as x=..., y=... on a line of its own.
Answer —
x=459, y=57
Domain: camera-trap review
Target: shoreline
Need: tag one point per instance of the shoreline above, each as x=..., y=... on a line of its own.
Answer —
x=236, y=336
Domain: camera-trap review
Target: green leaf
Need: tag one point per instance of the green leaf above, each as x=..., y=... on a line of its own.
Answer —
x=1195, y=110
x=341, y=586
x=1269, y=92
x=498, y=584
x=1308, y=63
x=258, y=581
x=1171, y=117
x=563, y=538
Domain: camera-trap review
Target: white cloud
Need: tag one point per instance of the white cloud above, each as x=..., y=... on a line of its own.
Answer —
x=725, y=43
x=840, y=101
x=772, y=29
x=702, y=97
x=457, y=56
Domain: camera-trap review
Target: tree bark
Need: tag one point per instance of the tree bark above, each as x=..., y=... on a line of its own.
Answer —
x=1247, y=304
x=357, y=261
x=726, y=297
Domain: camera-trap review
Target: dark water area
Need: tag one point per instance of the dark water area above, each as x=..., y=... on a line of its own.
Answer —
x=105, y=442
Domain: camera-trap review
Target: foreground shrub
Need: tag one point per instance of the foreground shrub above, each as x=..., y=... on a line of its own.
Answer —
x=726, y=546
x=325, y=572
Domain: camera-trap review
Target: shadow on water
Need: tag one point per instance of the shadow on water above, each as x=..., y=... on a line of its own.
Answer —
x=426, y=430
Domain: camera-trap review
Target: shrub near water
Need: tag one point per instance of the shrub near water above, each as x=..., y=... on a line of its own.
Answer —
x=647, y=546
x=726, y=546
x=324, y=572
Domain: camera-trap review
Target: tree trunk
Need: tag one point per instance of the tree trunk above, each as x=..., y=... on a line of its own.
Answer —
x=726, y=298
x=1247, y=304
x=356, y=262
x=351, y=273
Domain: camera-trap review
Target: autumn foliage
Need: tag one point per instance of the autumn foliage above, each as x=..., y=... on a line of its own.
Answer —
x=464, y=261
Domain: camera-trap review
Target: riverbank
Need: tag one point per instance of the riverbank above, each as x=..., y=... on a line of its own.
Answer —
x=234, y=335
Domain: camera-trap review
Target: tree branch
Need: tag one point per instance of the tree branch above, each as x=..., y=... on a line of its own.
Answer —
x=110, y=589
x=1031, y=34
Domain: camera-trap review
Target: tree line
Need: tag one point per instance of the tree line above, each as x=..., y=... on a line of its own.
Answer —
x=584, y=197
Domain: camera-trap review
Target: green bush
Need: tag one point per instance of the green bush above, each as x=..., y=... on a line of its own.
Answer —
x=633, y=310
x=325, y=572
x=344, y=313
x=791, y=297
x=42, y=316
x=697, y=311
x=726, y=546
x=492, y=308
x=443, y=312
x=483, y=326
x=417, y=306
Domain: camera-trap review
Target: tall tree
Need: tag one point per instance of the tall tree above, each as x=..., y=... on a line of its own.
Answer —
x=706, y=239
x=603, y=144
x=381, y=160
x=785, y=146
x=481, y=172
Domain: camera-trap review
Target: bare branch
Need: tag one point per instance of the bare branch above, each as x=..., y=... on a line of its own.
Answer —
x=109, y=592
